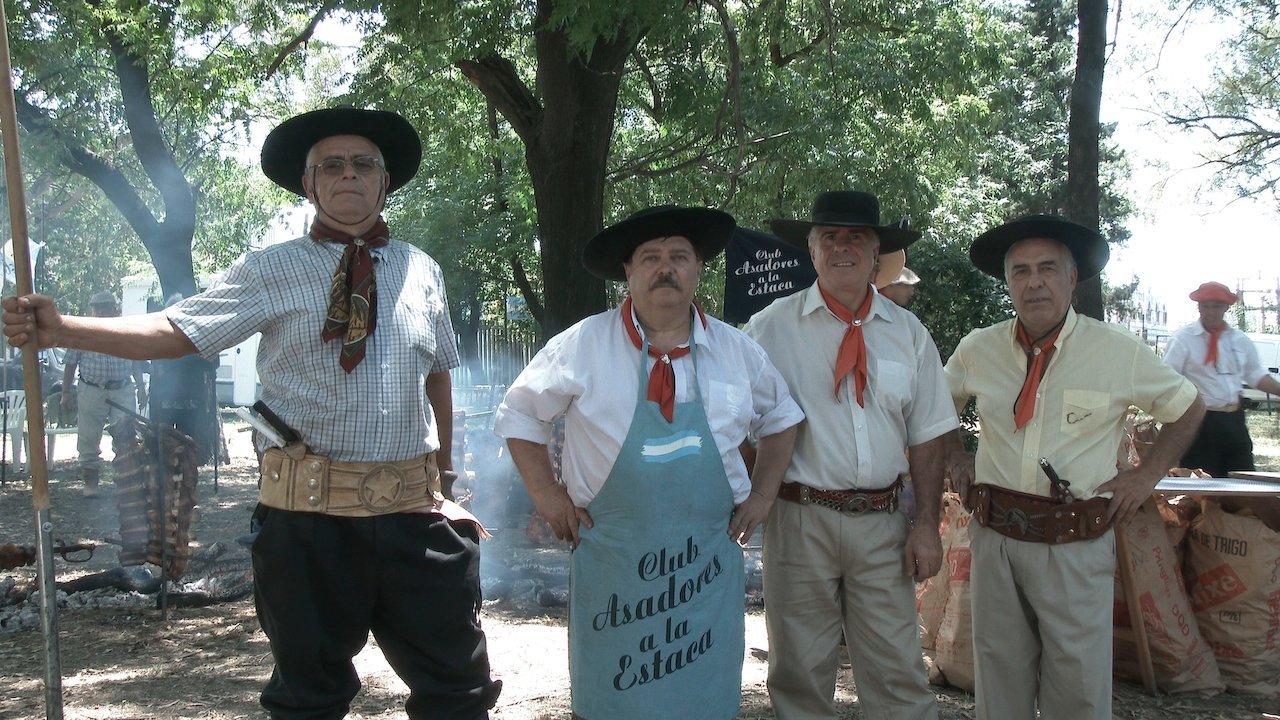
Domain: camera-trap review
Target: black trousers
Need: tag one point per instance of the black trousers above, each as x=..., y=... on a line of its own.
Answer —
x=323, y=583
x=1222, y=445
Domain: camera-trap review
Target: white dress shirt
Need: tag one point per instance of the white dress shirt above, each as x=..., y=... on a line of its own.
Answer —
x=590, y=374
x=1219, y=383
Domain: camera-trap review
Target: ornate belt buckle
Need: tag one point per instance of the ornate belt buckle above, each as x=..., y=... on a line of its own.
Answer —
x=856, y=505
x=1018, y=520
x=382, y=488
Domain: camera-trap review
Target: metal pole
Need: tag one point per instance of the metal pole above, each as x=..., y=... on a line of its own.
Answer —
x=163, y=475
x=4, y=422
x=31, y=385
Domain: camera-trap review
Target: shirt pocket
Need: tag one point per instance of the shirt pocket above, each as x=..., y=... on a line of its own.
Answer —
x=1233, y=362
x=892, y=384
x=729, y=408
x=419, y=330
x=1083, y=411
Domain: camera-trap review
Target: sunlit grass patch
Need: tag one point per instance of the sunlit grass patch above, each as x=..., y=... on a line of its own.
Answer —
x=1265, y=430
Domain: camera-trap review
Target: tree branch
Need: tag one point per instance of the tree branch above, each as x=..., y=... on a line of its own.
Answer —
x=531, y=299
x=654, y=90
x=300, y=39
x=98, y=170
x=496, y=77
x=148, y=141
x=780, y=60
x=731, y=101
x=644, y=167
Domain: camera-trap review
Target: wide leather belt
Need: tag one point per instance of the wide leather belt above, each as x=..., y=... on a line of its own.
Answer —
x=1233, y=407
x=293, y=479
x=1035, y=518
x=108, y=385
x=853, y=502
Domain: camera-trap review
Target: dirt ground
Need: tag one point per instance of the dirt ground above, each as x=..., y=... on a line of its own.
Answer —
x=127, y=662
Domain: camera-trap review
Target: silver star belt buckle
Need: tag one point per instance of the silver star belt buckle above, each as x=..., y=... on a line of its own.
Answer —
x=382, y=488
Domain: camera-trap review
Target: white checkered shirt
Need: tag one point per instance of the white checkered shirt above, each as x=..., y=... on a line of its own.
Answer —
x=378, y=412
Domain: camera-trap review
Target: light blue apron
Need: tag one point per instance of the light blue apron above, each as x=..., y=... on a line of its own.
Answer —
x=656, y=586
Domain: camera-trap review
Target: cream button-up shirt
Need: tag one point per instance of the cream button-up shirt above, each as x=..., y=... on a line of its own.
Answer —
x=1096, y=373
x=844, y=445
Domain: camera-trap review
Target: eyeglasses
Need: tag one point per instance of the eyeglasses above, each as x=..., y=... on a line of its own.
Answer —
x=336, y=166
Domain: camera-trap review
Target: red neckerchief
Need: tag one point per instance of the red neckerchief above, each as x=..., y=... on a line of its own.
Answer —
x=1211, y=357
x=353, y=293
x=852, y=356
x=1040, y=350
x=662, y=378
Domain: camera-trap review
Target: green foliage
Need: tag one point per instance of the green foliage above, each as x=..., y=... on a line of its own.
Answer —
x=76, y=262
x=471, y=205
x=1118, y=301
x=235, y=202
x=953, y=113
x=203, y=63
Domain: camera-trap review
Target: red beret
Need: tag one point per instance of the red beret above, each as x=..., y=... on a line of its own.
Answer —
x=1214, y=292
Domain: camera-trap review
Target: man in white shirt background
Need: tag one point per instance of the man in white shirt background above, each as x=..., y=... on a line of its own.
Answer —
x=1218, y=359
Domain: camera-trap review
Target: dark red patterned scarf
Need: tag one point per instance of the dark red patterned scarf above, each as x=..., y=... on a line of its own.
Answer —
x=353, y=293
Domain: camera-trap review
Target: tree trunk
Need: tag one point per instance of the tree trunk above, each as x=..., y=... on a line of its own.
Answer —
x=169, y=241
x=469, y=336
x=566, y=129
x=1083, y=131
x=567, y=166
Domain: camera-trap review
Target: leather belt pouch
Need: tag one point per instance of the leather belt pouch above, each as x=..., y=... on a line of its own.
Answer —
x=853, y=502
x=1034, y=518
x=293, y=479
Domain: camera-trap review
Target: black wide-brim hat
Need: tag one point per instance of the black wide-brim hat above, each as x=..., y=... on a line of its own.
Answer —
x=1087, y=247
x=707, y=229
x=284, y=152
x=846, y=208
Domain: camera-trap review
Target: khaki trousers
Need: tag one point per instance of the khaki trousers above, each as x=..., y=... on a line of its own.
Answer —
x=93, y=413
x=825, y=571
x=1042, y=627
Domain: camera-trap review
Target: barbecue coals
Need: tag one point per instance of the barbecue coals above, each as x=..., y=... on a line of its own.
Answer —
x=212, y=576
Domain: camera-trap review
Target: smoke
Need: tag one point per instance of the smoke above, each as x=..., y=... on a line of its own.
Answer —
x=498, y=497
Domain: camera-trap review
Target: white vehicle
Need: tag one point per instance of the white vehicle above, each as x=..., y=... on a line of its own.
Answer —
x=236, y=381
x=1268, y=346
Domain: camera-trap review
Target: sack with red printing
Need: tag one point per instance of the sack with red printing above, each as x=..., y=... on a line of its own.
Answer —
x=953, y=643
x=1180, y=657
x=1233, y=566
x=931, y=595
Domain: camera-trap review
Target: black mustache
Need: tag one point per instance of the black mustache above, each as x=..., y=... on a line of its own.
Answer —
x=664, y=282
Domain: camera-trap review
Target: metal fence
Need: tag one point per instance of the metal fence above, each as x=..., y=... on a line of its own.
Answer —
x=501, y=353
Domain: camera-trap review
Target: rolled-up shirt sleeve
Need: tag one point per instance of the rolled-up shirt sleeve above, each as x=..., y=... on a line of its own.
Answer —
x=543, y=392
x=956, y=372
x=775, y=409
x=1159, y=389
